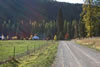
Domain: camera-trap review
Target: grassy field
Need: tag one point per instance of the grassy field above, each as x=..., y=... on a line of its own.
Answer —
x=42, y=57
x=17, y=47
x=90, y=42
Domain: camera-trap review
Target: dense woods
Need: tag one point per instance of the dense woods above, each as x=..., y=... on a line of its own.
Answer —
x=49, y=18
x=23, y=18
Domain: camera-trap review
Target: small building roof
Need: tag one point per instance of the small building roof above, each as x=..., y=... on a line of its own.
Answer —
x=35, y=37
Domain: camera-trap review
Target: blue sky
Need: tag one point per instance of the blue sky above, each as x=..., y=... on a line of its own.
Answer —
x=71, y=1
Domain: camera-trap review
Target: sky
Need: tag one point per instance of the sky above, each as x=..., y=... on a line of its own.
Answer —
x=71, y=1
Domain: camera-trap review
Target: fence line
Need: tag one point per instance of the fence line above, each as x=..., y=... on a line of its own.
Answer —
x=28, y=52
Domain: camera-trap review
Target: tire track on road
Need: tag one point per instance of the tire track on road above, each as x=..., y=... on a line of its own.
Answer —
x=73, y=55
x=86, y=54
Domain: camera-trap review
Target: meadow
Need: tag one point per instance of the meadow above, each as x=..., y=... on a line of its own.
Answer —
x=33, y=52
x=12, y=48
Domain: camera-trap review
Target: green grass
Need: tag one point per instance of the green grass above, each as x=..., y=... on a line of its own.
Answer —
x=21, y=46
x=43, y=57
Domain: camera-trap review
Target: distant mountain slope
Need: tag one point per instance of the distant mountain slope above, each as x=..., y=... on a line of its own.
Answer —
x=37, y=10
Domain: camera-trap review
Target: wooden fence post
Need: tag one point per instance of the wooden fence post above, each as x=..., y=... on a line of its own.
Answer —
x=27, y=50
x=14, y=52
x=34, y=48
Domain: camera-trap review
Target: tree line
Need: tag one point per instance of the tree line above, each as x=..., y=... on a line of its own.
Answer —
x=44, y=29
x=87, y=26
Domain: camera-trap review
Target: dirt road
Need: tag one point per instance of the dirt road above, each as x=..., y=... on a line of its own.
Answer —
x=71, y=54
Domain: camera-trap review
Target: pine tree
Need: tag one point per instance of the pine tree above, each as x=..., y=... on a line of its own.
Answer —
x=96, y=17
x=75, y=28
x=65, y=26
x=60, y=24
x=69, y=29
x=82, y=30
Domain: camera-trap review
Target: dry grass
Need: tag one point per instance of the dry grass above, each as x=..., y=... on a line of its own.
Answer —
x=94, y=42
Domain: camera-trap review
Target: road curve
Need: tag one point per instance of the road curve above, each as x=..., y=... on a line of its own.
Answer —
x=71, y=54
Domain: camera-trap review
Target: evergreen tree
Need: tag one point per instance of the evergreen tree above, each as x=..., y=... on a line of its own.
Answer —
x=82, y=30
x=60, y=24
x=96, y=17
x=65, y=26
x=75, y=28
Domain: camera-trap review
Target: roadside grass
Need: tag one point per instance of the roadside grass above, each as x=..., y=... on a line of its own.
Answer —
x=90, y=42
x=44, y=57
x=20, y=46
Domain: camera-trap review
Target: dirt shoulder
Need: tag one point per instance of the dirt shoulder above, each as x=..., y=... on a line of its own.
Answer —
x=90, y=42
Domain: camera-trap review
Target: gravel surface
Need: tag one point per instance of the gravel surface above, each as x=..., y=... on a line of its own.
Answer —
x=71, y=54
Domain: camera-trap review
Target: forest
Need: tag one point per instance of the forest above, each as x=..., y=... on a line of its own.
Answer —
x=24, y=18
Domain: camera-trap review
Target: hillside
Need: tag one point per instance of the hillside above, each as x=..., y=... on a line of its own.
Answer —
x=26, y=17
x=37, y=10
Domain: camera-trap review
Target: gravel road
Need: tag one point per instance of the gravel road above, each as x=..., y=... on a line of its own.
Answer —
x=71, y=54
